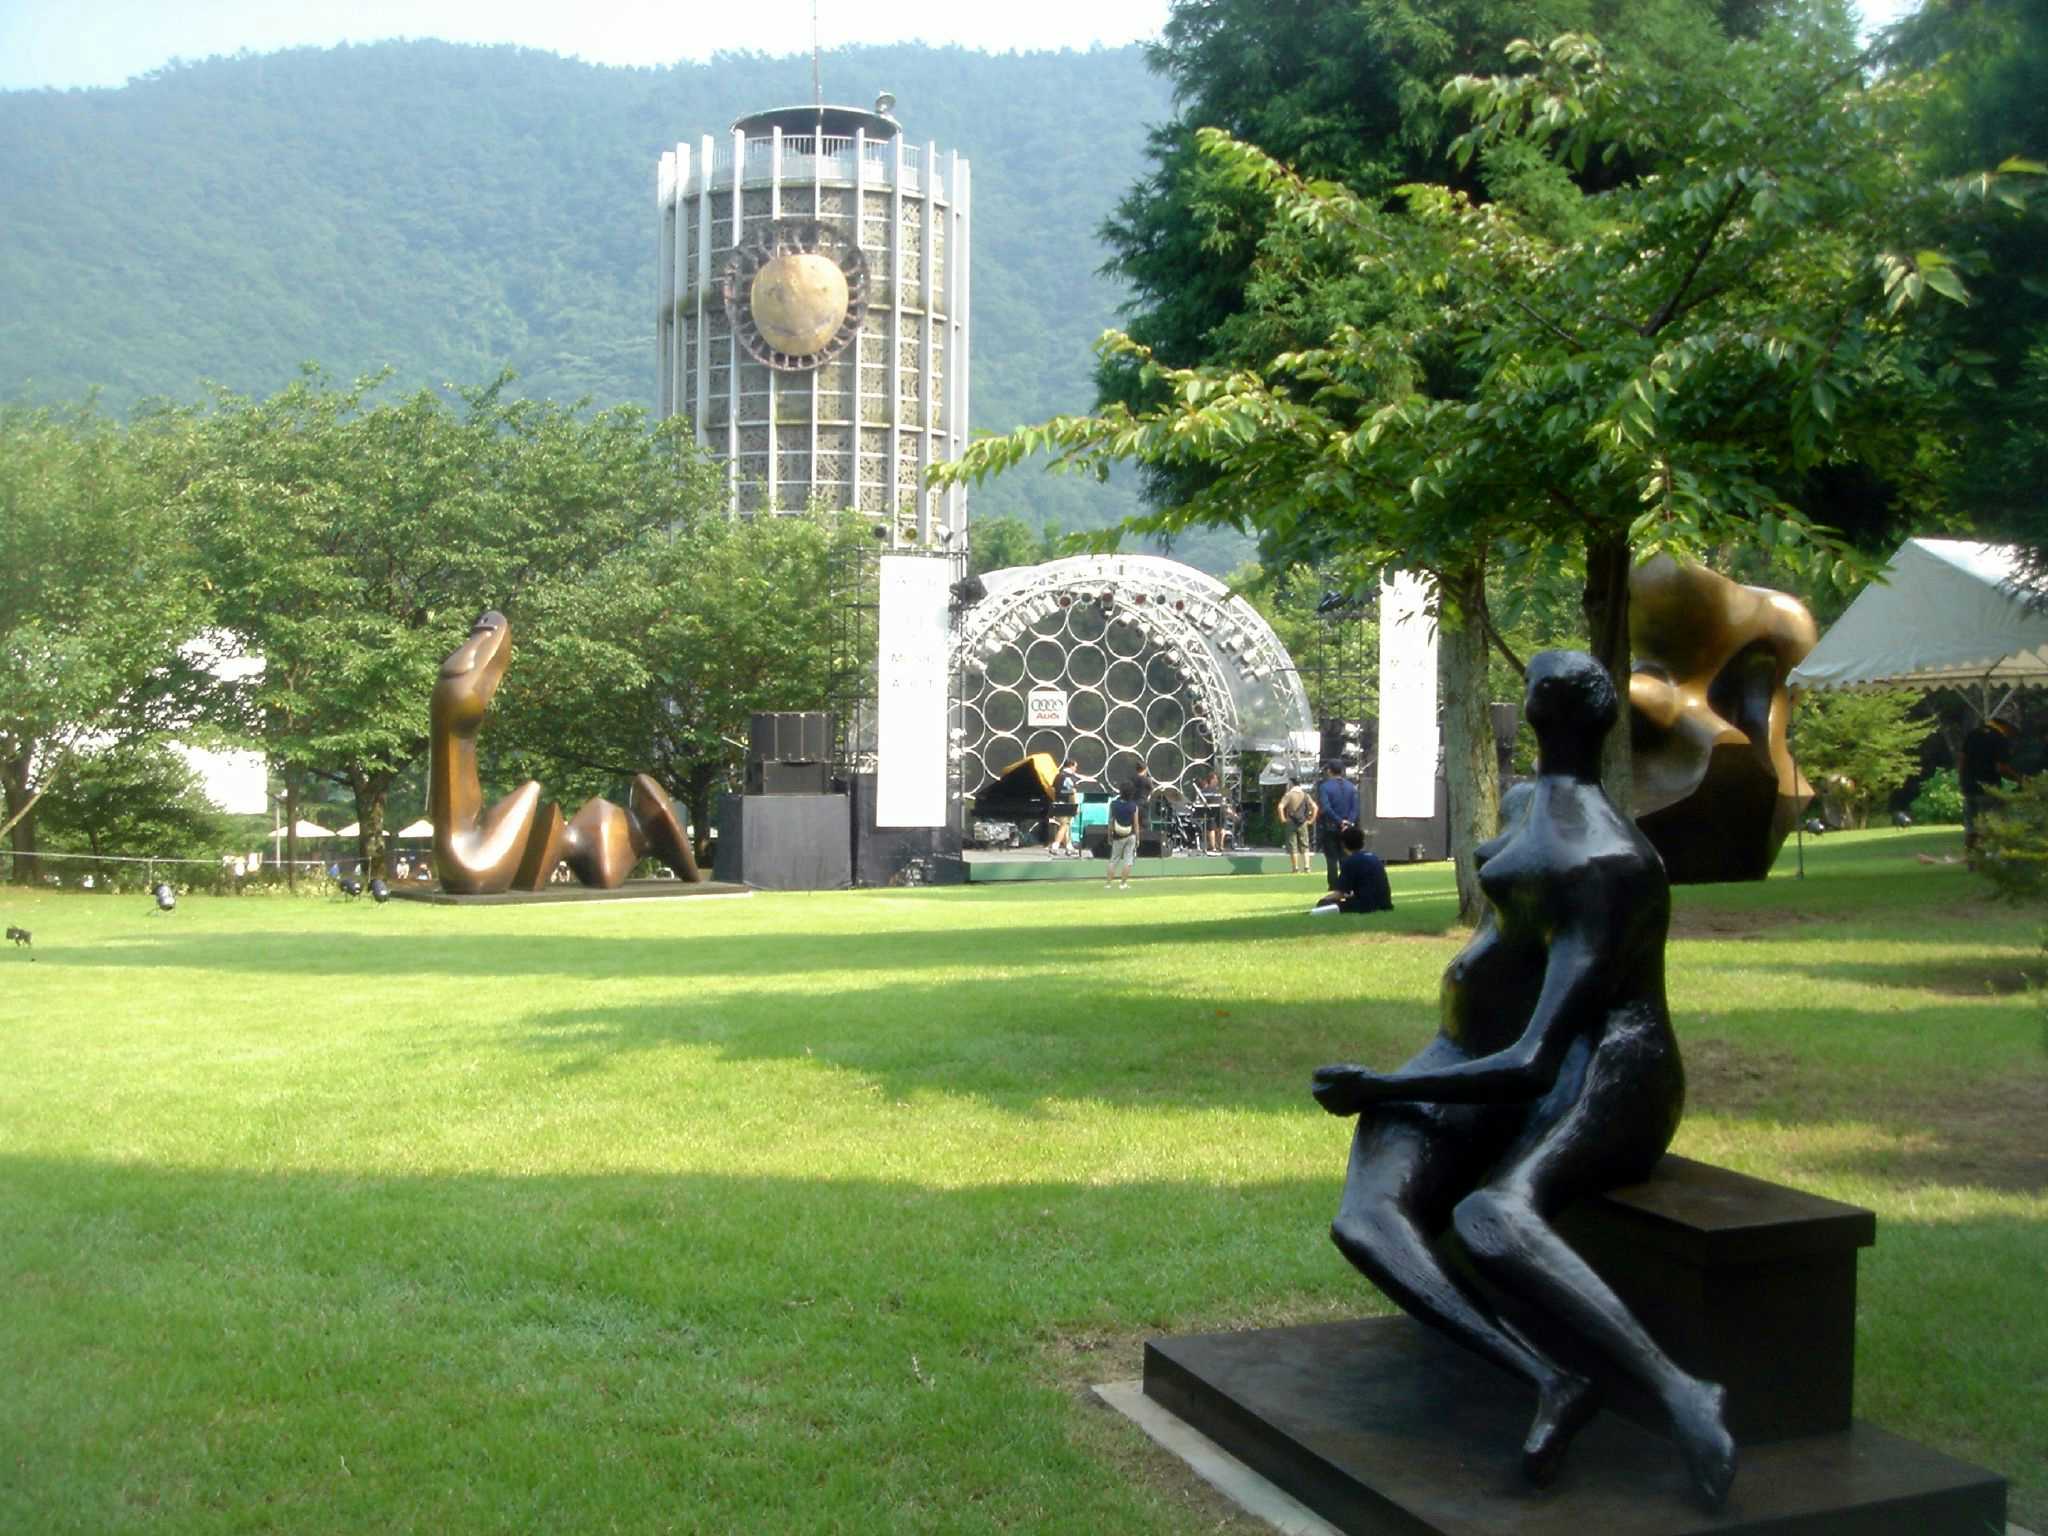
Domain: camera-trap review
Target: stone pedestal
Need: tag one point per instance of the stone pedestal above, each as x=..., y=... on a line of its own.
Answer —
x=1742, y=1282
x=1386, y=1429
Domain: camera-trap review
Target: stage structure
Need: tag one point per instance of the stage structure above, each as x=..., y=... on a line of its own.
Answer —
x=812, y=314
x=1124, y=661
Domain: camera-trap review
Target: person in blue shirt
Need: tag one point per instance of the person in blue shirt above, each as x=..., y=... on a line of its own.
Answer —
x=1361, y=880
x=1336, y=809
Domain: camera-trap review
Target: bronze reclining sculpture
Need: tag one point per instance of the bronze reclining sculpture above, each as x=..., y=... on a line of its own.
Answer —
x=516, y=843
x=1716, y=790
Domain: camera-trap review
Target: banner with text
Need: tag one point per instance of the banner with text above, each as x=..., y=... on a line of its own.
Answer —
x=911, y=702
x=1408, y=733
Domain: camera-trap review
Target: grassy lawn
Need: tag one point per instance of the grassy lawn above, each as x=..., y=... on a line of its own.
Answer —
x=819, y=1212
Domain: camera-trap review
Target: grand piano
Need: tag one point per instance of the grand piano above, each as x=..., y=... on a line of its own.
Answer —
x=1023, y=793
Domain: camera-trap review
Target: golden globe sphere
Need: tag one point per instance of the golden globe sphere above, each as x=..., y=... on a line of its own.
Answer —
x=798, y=301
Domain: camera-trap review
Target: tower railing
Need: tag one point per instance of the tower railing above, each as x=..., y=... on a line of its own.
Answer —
x=832, y=157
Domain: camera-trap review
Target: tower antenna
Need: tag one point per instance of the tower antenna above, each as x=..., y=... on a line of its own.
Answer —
x=817, y=75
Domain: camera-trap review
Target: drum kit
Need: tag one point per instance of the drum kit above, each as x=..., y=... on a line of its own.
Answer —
x=1185, y=824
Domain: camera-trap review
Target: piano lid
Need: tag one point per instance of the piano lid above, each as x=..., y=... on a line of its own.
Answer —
x=1026, y=783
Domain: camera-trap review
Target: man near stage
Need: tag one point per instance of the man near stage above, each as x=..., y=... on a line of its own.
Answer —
x=1209, y=796
x=1066, y=788
x=1124, y=812
x=1297, y=815
x=1336, y=809
x=1986, y=764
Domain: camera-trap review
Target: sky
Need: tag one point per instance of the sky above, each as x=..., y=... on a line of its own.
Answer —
x=64, y=43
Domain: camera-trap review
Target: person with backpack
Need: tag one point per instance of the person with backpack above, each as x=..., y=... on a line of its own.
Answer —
x=1066, y=790
x=1297, y=815
x=1123, y=837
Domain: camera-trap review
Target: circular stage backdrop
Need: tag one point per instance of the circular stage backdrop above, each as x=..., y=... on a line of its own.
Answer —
x=1123, y=661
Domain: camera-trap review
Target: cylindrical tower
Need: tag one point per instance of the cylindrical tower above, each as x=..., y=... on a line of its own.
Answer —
x=813, y=314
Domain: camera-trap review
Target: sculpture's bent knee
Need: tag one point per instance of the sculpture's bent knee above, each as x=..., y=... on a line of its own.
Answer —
x=1486, y=1222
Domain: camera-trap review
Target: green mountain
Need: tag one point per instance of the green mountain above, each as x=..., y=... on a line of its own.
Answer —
x=450, y=210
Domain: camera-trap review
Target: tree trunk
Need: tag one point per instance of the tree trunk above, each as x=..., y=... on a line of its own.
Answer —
x=291, y=830
x=1471, y=769
x=1605, y=601
x=697, y=792
x=21, y=812
x=373, y=794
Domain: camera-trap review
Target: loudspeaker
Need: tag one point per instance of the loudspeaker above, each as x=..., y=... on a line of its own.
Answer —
x=786, y=843
x=900, y=855
x=790, y=737
x=1406, y=839
x=778, y=778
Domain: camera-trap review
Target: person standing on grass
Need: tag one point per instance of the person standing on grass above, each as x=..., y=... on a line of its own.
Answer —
x=1336, y=809
x=1123, y=837
x=1297, y=815
x=1986, y=763
x=1361, y=880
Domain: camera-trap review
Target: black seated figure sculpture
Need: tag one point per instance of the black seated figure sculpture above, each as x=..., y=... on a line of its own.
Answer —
x=1555, y=1075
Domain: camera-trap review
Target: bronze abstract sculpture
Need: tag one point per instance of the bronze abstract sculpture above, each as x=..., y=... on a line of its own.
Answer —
x=1716, y=790
x=517, y=843
x=1555, y=1075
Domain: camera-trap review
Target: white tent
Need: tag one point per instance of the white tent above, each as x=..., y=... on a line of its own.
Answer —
x=303, y=828
x=1949, y=614
x=420, y=828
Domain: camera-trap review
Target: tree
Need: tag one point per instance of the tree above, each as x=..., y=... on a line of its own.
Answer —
x=1343, y=92
x=352, y=543
x=139, y=800
x=1859, y=747
x=94, y=605
x=653, y=660
x=1003, y=541
x=1659, y=363
x=1986, y=62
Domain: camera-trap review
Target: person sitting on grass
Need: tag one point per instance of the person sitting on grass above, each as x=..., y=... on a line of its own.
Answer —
x=1361, y=880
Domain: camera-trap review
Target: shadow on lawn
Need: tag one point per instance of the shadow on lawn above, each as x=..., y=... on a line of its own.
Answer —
x=1118, y=1038
x=1993, y=974
x=684, y=955
x=376, y=1348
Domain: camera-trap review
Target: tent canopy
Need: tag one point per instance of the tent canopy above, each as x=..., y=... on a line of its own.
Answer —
x=1950, y=613
x=302, y=828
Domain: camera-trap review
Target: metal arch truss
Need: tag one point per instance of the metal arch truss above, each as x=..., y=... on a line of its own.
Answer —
x=1145, y=649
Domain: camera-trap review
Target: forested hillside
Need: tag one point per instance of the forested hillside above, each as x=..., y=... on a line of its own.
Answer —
x=449, y=210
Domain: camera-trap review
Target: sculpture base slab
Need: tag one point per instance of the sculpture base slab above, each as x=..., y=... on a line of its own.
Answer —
x=1385, y=1429
x=632, y=890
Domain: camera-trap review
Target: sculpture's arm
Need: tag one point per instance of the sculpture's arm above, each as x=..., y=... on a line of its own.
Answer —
x=1573, y=977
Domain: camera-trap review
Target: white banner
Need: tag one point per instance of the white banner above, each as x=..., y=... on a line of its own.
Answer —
x=1408, y=734
x=910, y=678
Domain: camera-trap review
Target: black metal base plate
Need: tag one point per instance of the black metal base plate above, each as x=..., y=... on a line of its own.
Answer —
x=1380, y=1426
x=632, y=890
